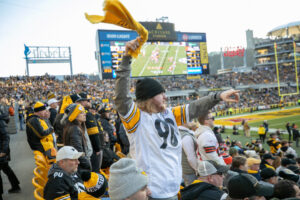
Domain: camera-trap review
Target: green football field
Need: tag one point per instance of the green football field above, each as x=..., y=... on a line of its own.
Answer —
x=277, y=119
x=155, y=60
x=279, y=123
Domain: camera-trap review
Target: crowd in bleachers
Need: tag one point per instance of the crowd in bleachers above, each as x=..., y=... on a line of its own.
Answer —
x=36, y=88
x=78, y=138
x=276, y=170
x=258, y=75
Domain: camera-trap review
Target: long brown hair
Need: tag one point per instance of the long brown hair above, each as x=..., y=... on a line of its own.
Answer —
x=69, y=126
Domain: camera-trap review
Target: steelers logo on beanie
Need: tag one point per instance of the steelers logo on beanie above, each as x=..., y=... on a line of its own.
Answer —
x=147, y=88
x=74, y=110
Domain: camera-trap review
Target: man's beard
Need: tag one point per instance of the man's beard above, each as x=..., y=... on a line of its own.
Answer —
x=160, y=108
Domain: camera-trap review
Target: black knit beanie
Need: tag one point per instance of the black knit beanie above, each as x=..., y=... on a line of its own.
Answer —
x=147, y=88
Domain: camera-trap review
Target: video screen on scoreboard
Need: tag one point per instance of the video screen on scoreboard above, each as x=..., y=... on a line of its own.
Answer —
x=160, y=58
x=186, y=56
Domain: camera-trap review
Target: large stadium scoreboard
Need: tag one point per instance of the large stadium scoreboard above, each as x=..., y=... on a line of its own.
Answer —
x=186, y=54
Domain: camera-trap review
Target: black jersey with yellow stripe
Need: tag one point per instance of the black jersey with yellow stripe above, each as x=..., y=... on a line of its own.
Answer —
x=40, y=136
x=93, y=131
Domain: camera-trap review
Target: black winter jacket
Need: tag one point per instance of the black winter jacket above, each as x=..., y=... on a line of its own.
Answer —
x=109, y=129
x=122, y=138
x=53, y=113
x=93, y=131
x=4, y=137
x=201, y=191
x=4, y=116
x=61, y=185
x=58, y=128
x=75, y=139
x=101, y=131
x=40, y=136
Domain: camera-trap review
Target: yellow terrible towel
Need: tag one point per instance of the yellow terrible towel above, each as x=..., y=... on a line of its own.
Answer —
x=116, y=13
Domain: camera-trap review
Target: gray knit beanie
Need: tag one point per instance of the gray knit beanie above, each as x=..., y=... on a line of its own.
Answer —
x=125, y=179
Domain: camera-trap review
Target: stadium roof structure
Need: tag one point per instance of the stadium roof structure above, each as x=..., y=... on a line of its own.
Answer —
x=286, y=30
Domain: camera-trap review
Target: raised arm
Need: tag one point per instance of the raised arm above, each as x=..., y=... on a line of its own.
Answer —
x=203, y=105
x=123, y=100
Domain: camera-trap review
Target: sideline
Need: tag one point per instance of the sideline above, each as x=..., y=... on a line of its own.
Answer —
x=229, y=121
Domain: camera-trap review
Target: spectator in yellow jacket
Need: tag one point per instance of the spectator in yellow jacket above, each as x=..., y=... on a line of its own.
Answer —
x=262, y=133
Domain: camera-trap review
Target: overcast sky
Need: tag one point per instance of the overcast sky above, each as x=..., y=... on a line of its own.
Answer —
x=62, y=23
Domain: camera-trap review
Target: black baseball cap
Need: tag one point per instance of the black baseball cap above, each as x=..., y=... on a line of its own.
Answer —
x=294, y=168
x=75, y=97
x=246, y=185
x=267, y=173
x=268, y=156
x=95, y=106
x=286, y=161
x=105, y=109
x=84, y=96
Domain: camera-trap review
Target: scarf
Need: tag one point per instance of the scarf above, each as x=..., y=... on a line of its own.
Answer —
x=116, y=13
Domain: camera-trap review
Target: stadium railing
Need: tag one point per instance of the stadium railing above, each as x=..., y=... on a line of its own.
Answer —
x=236, y=111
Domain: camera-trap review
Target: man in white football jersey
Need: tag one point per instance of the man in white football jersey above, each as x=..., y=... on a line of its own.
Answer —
x=153, y=128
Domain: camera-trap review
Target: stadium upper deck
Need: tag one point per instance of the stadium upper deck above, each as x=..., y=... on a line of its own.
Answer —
x=280, y=44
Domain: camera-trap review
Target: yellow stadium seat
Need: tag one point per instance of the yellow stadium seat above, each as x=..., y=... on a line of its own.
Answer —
x=38, y=182
x=38, y=194
x=41, y=172
x=40, y=158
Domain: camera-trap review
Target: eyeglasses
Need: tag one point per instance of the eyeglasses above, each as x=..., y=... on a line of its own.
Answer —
x=219, y=173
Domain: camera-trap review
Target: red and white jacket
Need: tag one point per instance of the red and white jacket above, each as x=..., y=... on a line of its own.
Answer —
x=208, y=146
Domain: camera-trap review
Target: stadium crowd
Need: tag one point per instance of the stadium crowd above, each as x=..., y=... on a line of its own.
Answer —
x=31, y=89
x=87, y=147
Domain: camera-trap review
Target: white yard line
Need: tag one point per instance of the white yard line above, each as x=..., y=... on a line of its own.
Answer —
x=161, y=62
x=175, y=59
x=291, y=121
x=148, y=60
x=143, y=47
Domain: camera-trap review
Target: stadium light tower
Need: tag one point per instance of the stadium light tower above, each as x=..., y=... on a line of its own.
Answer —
x=162, y=19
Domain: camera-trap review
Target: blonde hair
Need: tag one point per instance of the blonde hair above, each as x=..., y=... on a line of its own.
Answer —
x=147, y=106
